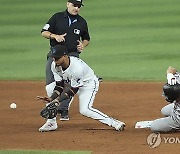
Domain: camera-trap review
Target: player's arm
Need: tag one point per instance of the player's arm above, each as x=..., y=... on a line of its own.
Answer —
x=48, y=31
x=85, y=42
x=58, y=89
x=47, y=34
x=82, y=45
x=67, y=93
x=73, y=88
x=85, y=38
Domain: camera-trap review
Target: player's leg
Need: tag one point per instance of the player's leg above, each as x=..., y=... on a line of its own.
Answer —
x=86, y=99
x=63, y=109
x=167, y=110
x=50, y=124
x=166, y=124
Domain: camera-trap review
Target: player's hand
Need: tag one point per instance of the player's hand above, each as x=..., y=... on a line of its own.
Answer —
x=44, y=99
x=60, y=38
x=80, y=46
x=171, y=79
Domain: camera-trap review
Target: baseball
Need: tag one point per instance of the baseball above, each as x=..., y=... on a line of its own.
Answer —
x=13, y=106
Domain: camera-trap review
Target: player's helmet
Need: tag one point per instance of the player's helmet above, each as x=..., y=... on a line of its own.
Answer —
x=171, y=92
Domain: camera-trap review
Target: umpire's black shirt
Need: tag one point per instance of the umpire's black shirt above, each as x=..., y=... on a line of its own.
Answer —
x=75, y=27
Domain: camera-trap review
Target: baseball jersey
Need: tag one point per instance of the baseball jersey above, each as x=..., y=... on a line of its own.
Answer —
x=176, y=110
x=78, y=74
x=177, y=76
x=60, y=23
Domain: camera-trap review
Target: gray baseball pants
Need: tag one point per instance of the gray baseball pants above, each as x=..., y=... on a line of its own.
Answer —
x=166, y=124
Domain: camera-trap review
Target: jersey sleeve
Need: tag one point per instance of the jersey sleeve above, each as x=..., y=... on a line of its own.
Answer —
x=85, y=34
x=177, y=76
x=49, y=26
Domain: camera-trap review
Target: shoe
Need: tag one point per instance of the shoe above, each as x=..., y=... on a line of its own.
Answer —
x=64, y=118
x=143, y=124
x=48, y=126
x=100, y=79
x=64, y=115
x=118, y=125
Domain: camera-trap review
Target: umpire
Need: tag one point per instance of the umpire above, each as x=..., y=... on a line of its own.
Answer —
x=70, y=29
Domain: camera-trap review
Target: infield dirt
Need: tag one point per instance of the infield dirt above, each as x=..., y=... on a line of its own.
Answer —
x=127, y=101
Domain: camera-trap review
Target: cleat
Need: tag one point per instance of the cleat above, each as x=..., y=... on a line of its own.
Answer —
x=143, y=124
x=64, y=118
x=118, y=125
x=48, y=126
x=64, y=115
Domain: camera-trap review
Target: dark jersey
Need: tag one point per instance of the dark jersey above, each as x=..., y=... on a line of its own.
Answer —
x=61, y=23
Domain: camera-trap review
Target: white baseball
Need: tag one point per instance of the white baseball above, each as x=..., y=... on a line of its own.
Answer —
x=13, y=106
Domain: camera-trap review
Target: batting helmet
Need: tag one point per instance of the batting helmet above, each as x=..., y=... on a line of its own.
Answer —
x=171, y=92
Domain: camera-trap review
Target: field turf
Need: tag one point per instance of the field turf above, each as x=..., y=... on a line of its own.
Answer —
x=130, y=39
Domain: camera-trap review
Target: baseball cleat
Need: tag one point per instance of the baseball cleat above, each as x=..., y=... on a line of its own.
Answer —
x=64, y=118
x=64, y=115
x=48, y=126
x=143, y=124
x=118, y=125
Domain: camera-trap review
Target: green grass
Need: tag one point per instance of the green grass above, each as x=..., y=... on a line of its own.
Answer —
x=42, y=152
x=130, y=39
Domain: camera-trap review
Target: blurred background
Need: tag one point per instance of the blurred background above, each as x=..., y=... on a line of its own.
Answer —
x=131, y=40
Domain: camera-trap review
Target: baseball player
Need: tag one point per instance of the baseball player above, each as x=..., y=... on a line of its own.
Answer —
x=70, y=29
x=82, y=81
x=171, y=92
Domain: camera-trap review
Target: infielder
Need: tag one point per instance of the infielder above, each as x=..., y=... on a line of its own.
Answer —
x=70, y=29
x=82, y=81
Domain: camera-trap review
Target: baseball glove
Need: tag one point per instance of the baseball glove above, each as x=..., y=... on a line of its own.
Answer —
x=50, y=111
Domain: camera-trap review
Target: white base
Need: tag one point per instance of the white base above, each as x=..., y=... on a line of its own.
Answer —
x=143, y=124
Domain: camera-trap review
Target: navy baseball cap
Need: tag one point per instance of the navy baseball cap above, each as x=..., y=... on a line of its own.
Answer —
x=58, y=51
x=78, y=2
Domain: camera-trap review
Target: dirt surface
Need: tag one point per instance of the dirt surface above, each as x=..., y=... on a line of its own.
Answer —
x=129, y=102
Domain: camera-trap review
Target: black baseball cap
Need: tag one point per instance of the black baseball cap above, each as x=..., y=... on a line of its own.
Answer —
x=58, y=51
x=78, y=2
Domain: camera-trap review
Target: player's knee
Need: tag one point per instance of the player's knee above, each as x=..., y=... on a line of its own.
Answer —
x=164, y=111
x=84, y=112
x=157, y=127
x=167, y=110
